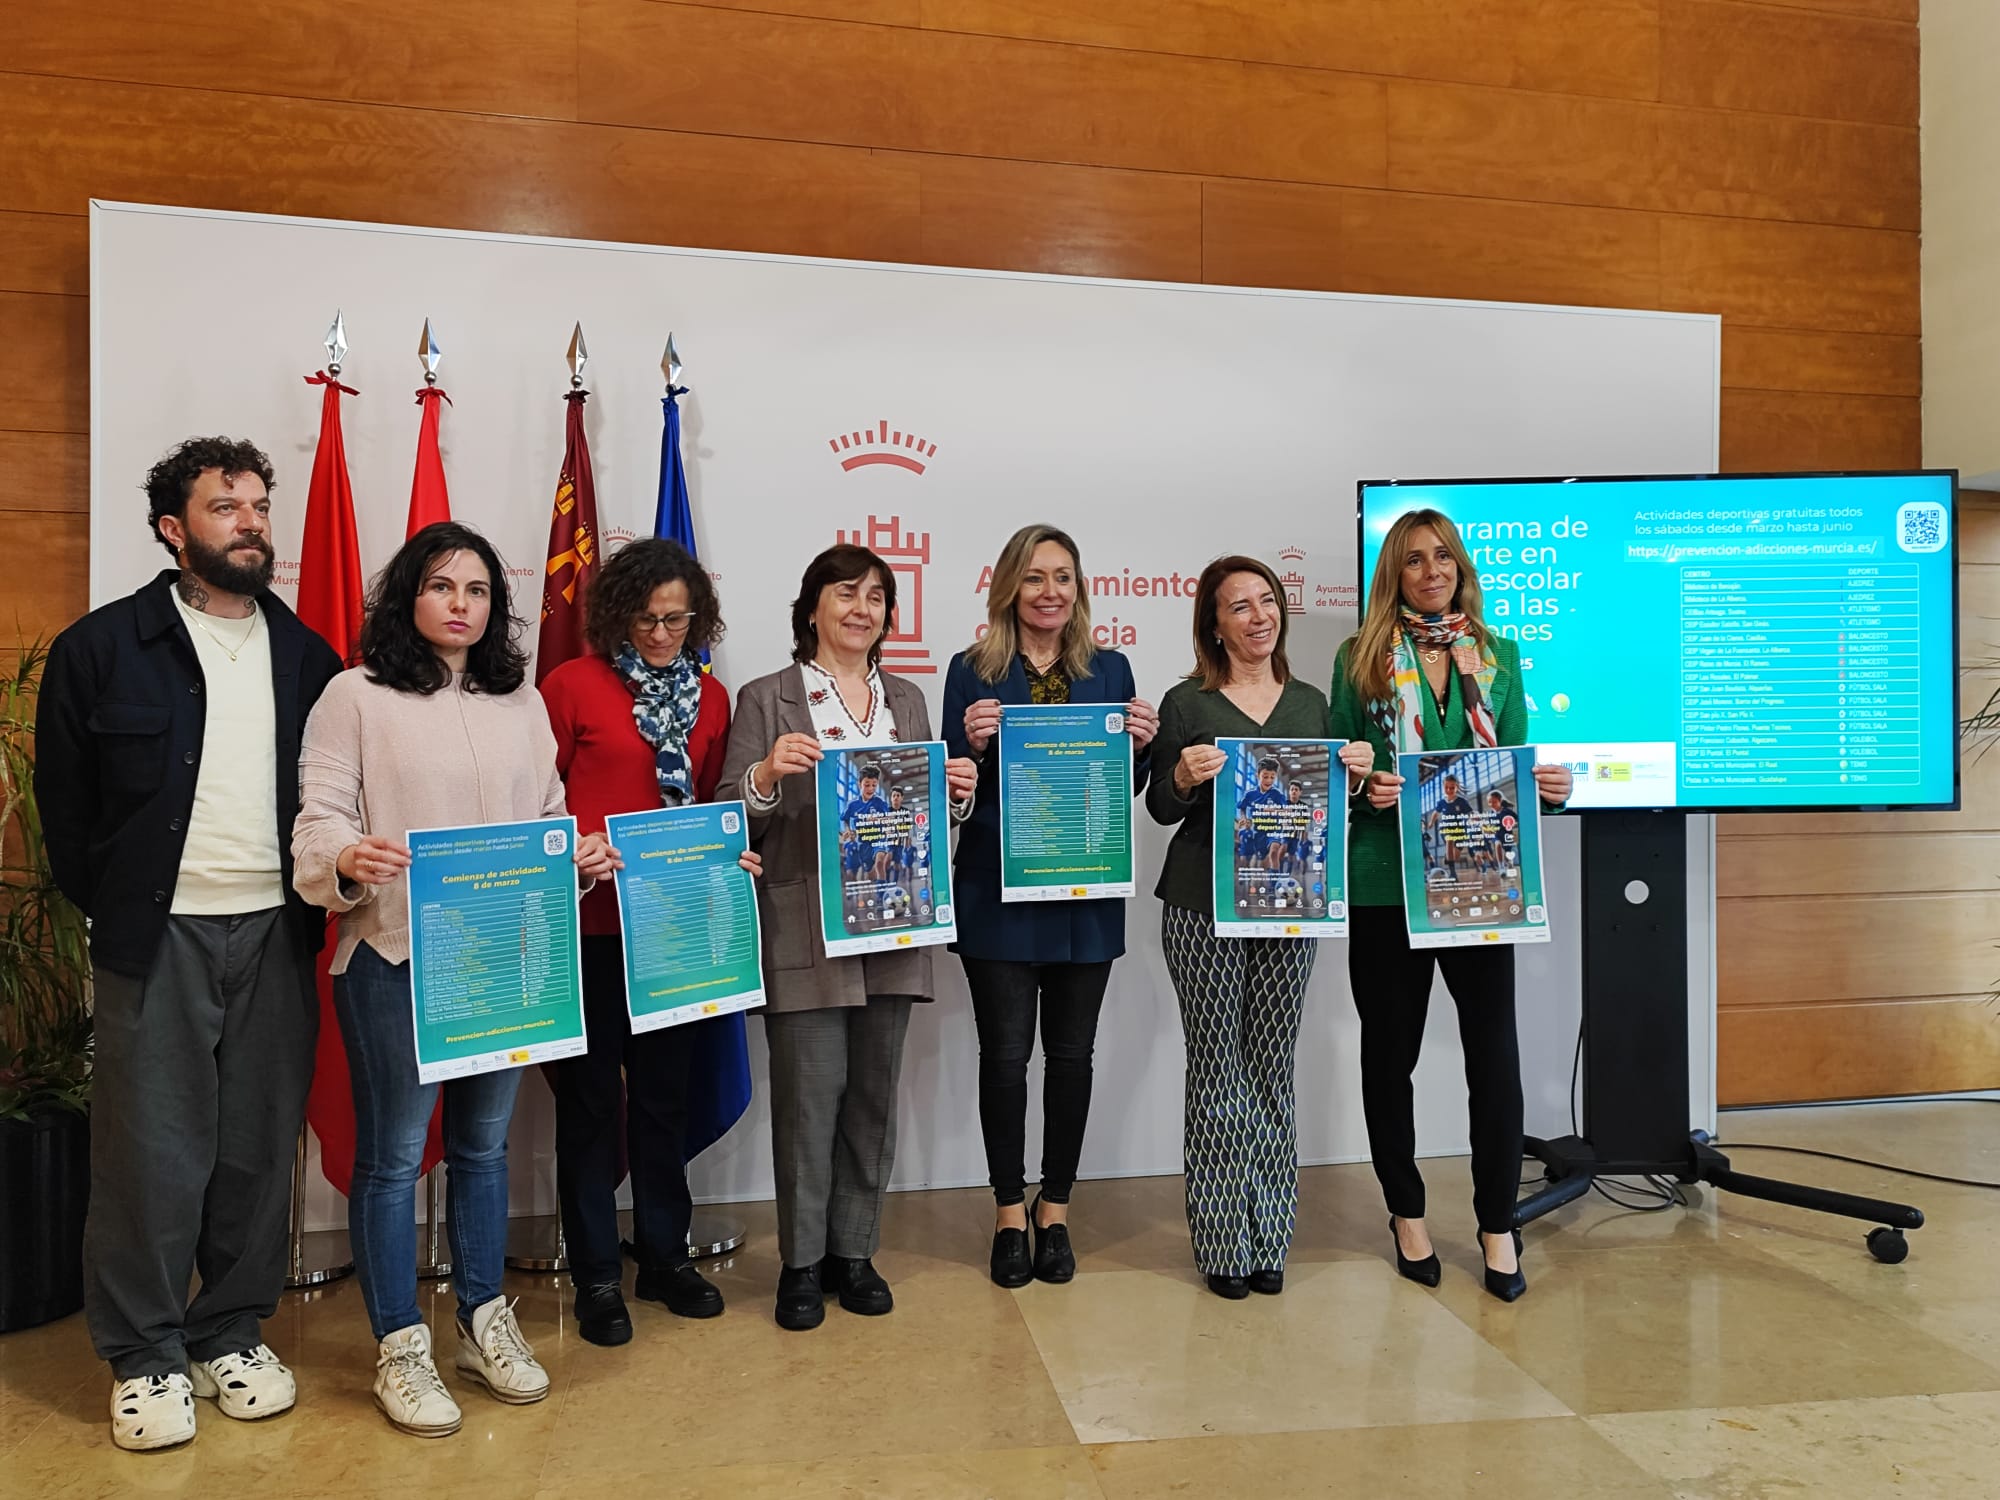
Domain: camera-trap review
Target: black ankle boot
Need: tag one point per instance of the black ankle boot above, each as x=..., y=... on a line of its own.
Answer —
x=1010, y=1265
x=684, y=1290
x=801, y=1302
x=860, y=1286
x=601, y=1316
x=1054, y=1260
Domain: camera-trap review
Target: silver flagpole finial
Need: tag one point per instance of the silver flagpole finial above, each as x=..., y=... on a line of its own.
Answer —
x=428, y=354
x=336, y=344
x=670, y=363
x=579, y=356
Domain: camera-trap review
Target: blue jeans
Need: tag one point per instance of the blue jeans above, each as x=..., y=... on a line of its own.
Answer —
x=392, y=1115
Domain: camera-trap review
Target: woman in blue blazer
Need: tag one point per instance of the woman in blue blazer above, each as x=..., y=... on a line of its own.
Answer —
x=1053, y=957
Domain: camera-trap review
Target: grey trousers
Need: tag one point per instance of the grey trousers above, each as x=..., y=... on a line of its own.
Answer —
x=201, y=1075
x=833, y=1124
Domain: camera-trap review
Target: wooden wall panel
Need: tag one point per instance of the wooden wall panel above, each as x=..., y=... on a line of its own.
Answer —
x=517, y=59
x=690, y=68
x=1754, y=160
x=1728, y=55
x=1776, y=1054
x=1857, y=364
x=45, y=374
x=1077, y=221
x=48, y=572
x=48, y=473
x=1609, y=47
x=236, y=151
x=1805, y=276
x=1767, y=431
x=44, y=253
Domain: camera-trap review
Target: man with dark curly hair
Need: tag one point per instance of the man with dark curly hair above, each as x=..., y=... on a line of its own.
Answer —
x=167, y=764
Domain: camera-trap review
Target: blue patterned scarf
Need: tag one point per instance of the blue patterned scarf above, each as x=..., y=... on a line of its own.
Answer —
x=665, y=702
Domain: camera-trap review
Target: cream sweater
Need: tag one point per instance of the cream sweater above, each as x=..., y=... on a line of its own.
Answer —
x=375, y=760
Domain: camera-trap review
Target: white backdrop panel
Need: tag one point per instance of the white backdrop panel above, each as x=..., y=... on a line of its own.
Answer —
x=1161, y=424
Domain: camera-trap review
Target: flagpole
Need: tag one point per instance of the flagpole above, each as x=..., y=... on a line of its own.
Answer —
x=710, y=1232
x=304, y=1271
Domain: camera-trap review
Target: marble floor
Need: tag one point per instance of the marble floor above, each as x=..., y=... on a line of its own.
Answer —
x=1731, y=1349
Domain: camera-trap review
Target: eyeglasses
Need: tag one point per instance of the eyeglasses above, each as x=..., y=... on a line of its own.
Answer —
x=671, y=624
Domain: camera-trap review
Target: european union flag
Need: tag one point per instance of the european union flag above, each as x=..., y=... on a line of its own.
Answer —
x=719, y=1077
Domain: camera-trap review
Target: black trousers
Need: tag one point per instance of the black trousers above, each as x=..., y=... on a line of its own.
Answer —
x=1006, y=998
x=654, y=1089
x=1392, y=990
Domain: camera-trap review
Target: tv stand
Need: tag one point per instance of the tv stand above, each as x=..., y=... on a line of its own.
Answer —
x=1635, y=1041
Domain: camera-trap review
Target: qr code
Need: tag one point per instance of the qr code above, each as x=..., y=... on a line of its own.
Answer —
x=1920, y=527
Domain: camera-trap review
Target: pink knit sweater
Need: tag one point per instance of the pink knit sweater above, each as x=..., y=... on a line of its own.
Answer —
x=378, y=761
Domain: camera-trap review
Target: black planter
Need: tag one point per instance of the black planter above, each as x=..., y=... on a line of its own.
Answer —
x=44, y=1189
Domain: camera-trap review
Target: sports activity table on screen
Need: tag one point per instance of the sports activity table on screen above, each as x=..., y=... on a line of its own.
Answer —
x=1756, y=642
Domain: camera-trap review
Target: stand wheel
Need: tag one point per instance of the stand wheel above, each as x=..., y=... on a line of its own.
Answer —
x=1888, y=1246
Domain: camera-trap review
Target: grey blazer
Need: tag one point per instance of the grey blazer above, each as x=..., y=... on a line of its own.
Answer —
x=797, y=973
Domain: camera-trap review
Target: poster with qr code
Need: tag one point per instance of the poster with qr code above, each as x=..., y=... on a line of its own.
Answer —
x=1472, y=848
x=1280, y=840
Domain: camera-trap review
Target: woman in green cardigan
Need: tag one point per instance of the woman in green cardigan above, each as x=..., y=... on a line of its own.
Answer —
x=1241, y=999
x=1425, y=672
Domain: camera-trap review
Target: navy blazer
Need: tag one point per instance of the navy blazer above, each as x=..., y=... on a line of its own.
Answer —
x=1036, y=932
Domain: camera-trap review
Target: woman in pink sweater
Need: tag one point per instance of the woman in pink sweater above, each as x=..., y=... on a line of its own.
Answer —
x=436, y=728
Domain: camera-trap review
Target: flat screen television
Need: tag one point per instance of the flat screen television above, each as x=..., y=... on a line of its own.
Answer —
x=1721, y=643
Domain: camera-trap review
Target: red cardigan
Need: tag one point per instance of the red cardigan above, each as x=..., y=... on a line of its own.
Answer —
x=607, y=767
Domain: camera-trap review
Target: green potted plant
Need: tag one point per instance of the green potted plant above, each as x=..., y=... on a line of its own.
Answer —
x=45, y=1037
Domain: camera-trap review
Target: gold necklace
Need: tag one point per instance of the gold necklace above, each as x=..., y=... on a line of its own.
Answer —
x=227, y=650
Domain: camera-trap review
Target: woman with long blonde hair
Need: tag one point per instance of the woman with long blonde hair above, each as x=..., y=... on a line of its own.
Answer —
x=1426, y=672
x=1049, y=956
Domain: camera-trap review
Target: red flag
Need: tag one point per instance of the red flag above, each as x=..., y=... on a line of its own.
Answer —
x=429, y=500
x=573, y=548
x=330, y=602
x=330, y=583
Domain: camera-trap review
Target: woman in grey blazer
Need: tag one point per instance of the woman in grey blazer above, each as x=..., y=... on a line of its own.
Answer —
x=835, y=1026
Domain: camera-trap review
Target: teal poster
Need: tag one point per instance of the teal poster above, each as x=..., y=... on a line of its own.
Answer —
x=884, y=850
x=1065, y=802
x=496, y=977
x=1280, y=839
x=1472, y=848
x=687, y=913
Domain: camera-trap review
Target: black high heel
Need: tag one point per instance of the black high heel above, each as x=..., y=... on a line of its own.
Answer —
x=1055, y=1262
x=1506, y=1285
x=1425, y=1272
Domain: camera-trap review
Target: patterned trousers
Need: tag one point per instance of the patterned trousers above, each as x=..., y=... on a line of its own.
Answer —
x=1241, y=1001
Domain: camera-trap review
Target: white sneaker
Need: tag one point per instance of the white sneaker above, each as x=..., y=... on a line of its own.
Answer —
x=247, y=1386
x=408, y=1389
x=152, y=1411
x=493, y=1351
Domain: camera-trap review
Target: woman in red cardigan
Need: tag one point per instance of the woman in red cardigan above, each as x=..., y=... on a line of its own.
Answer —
x=638, y=725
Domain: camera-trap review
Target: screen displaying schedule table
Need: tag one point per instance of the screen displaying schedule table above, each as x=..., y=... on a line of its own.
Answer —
x=1065, y=802
x=1806, y=678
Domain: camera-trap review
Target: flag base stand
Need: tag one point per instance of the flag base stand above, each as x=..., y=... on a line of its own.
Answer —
x=328, y=1258
x=435, y=1258
x=711, y=1234
x=536, y=1244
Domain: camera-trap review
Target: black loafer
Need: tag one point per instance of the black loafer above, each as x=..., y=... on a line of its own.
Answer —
x=1055, y=1262
x=1266, y=1283
x=801, y=1303
x=684, y=1290
x=601, y=1317
x=860, y=1286
x=1010, y=1265
x=1233, y=1288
